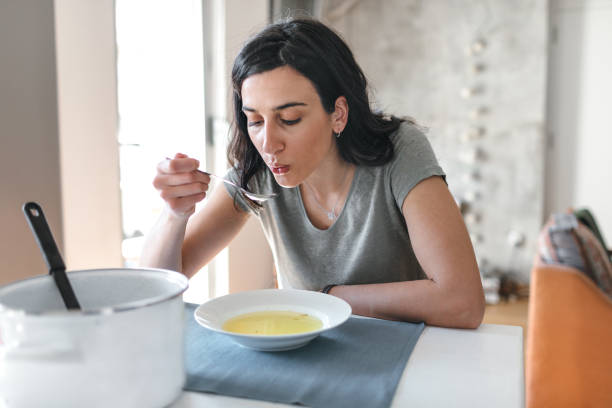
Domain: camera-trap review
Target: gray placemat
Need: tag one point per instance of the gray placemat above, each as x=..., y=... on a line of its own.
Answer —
x=355, y=365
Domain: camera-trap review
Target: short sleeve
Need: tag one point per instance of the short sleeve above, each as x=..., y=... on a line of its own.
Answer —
x=413, y=161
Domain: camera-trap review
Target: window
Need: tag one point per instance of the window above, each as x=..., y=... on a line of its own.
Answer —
x=160, y=76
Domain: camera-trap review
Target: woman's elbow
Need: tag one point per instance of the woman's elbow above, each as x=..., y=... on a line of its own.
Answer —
x=472, y=311
x=471, y=302
x=463, y=309
x=459, y=312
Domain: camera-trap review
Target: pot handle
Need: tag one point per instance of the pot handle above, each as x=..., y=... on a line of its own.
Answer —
x=31, y=351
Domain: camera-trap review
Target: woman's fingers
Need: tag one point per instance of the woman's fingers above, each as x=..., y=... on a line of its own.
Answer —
x=184, y=190
x=180, y=184
x=183, y=198
x=164, y=179
x=178, y=165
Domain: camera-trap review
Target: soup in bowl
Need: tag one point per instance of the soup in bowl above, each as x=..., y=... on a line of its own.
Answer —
x=273, y=319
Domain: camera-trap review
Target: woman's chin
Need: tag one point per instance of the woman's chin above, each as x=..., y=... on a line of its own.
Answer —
x=285, y=182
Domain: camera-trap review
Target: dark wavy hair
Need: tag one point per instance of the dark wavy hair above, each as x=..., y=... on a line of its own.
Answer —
x=318, y=53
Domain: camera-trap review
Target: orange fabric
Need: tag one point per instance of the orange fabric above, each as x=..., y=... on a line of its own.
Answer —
x=569, y=341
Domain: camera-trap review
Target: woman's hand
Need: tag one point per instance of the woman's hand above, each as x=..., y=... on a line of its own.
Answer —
x=179, y=241
x=181, y=184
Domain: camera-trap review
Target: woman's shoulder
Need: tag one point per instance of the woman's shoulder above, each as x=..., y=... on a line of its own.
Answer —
x=413, y=160
x=410, y=142
x=407, y=133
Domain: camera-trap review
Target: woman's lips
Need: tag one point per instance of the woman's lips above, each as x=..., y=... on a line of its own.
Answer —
x=279, y=169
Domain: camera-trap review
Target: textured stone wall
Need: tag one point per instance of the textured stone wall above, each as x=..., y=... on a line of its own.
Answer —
x=474, y=73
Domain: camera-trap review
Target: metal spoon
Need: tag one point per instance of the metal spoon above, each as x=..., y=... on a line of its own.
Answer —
x=44, y=238
x=259, y=198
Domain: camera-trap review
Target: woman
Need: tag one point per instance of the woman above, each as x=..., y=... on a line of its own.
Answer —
x=362, y=212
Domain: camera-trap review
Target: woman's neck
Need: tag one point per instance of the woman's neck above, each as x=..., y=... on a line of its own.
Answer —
x=330, y=177
x=325, y=192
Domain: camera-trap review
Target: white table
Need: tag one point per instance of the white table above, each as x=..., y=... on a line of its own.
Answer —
x=448, y=368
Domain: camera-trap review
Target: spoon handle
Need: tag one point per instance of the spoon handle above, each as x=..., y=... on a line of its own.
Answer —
x=44, y=238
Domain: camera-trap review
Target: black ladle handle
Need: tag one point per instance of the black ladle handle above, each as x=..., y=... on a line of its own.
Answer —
x=44, y=238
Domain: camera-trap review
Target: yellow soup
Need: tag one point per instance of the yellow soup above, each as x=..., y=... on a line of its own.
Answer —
x=272, y=322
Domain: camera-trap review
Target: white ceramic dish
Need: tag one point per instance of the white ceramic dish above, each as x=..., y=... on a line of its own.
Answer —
x=332, y=311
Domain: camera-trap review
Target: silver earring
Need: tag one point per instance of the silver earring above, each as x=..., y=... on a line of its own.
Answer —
x=338, y=134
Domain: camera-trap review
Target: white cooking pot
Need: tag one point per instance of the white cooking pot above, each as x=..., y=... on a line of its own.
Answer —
x=123, y=349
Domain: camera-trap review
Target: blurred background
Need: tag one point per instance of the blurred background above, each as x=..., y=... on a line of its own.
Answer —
x=94, y=93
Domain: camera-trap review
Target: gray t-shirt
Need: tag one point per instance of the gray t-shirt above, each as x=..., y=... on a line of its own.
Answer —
x=368, y=242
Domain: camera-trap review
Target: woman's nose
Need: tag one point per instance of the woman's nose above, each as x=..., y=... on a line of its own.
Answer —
x=272, y=142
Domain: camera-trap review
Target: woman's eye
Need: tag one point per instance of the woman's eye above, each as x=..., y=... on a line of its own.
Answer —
x=291, y=122
x=254, y=123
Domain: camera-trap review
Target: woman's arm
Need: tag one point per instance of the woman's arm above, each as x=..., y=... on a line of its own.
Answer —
x=182, y=241
x=453, y=295
x=211, y=230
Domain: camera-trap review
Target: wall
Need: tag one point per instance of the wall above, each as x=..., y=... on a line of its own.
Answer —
x=580, y=96
x=29, y=147
x=58, y=126
x=474, y=73
x=87, y=100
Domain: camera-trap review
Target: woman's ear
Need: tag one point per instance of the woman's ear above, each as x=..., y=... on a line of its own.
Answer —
x=340, y=114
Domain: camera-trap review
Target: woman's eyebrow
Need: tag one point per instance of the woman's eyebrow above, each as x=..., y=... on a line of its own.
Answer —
x=289, y=105
x=281, y=107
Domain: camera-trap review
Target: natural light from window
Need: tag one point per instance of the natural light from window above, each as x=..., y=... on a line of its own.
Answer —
x=160, y=75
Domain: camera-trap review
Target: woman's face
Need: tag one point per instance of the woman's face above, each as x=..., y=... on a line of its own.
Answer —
x=287, y=124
